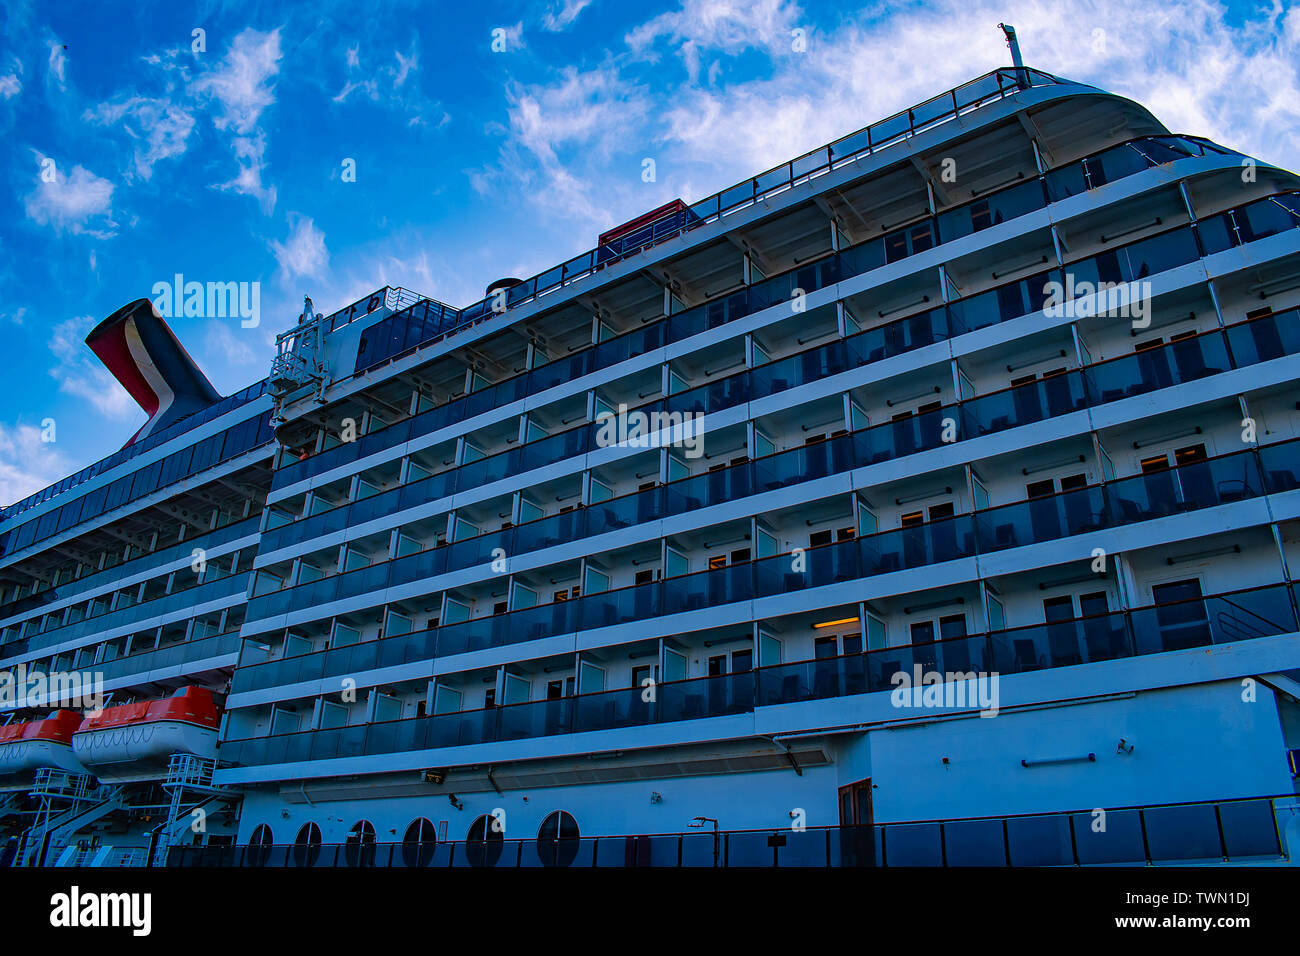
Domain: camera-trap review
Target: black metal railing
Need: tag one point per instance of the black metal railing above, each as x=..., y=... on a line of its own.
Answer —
x=1217, y=831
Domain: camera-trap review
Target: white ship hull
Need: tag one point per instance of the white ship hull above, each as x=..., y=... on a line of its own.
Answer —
x=20, y=760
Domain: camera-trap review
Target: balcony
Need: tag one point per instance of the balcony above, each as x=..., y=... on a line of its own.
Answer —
x=1178, y=362
x=184, y=600
x=974, y=216
x=1120, y=378
x=1212, y=620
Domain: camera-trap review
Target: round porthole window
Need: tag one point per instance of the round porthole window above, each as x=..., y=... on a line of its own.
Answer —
x=558, y=839
x=419, y=843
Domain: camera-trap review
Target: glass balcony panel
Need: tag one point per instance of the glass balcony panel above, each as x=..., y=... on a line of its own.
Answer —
x=1120, y=841
x=1182, y=833
x=1249, y=830
x=1266, y=338
x=1039, y=841
x=974, y=843
x=913, y=844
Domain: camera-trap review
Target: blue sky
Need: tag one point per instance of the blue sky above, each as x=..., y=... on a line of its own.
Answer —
x=225, y=163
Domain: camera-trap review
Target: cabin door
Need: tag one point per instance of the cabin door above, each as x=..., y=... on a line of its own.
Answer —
x=857, y=835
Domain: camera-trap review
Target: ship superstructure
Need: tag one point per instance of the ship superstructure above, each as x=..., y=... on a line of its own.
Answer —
x=915, y=502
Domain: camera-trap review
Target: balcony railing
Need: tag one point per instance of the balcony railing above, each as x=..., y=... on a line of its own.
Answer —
x=173, y=655
x=1139, y=260
x=228, y=404
x=1006, y=204
x=237, y=440
x=207, y=542
x=1178, y=362
x=1212, y=620
x=1234, y=477
x=185, y=599
x=1215, y=831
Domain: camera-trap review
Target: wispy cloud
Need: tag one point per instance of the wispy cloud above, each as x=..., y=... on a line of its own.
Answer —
x=304, y=252
x=559, y=132
x=79, y=374
x=392, y=86
x=241, y=89
x=160, y=128
x=557, y=22
x=58, y=64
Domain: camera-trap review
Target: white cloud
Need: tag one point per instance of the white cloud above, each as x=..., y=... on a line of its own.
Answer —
x=1237, y=84
x=569, y=11
x=727, y=26
x=369, y=87
x=557, y=131
x=241, y=84
x=234, y=344
x=304, y=253
x=250, y=152
x=77, y=202
x=58, y=63
x=79, y=373
x=28, y=464
x=394, y=86
x=160, y=127
x=405, y=64
x=241, y=89
x=10, y=86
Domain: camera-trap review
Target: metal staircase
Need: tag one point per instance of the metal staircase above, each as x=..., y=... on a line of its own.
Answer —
x=189, y=782
x=68, y=802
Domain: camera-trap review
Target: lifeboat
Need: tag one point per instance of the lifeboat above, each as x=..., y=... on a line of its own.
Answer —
x=28, y=746
x=136, y=741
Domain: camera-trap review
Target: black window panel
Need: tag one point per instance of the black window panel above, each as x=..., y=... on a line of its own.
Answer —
x=1188, y=590
x=48, y=522
x=118, y=493
x=1058, y=609
x=1093, y=603
x=70, y=514
x=824, y=647
x=1039, y=489
x=922, y=632
x=952, y=626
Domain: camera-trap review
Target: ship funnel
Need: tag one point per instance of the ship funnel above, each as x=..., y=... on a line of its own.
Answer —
x=144, y=355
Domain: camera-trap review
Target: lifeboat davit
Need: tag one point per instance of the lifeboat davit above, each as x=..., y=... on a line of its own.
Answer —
x=28, y=746
x=136, y=741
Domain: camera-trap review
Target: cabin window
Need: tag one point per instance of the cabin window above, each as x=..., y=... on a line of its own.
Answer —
x=558, y=839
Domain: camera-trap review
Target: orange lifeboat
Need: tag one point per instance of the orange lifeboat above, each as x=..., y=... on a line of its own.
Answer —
x=28, y=746
x=136, y=741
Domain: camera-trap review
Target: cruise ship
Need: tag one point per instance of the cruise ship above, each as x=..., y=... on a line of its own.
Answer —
x=926, y=500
